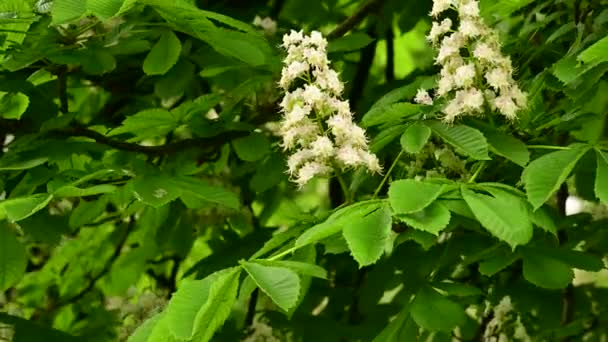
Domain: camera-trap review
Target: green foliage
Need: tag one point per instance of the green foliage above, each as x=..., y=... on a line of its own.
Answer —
x=145, y=191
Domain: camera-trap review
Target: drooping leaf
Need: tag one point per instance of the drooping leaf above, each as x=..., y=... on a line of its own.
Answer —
x=596, y=53
x=302, y=268
x=497, y=262
x=408, y=196
x=415, y=137
x=104, y=9
x=147, y=123
x=351, y=42
x=367, y=236
x=73, y=191
x=542, y=218
x=206, y=191
x=17, y=209
x=544, y=175
x=545, y=271
x=432, y=219
x=435, y=312
x=504, y=215
x=155, y=190
x=337, y=221
x=402, y=328
x=13, y=258
x=164, y=54
x=509, y=147
x=601, y=177
x=23, y=165
x=281, y=284
x=465, y=139
x=252, y=147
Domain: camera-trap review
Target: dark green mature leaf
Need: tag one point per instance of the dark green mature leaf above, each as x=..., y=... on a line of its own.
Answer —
x=408, y=196
x=190, y=313
x=601, y=177
x=23, y=330
x=338, y=220
x=156, y=190
x=415, y=137
x=435, y=312
x=545, y=271
x=402, y=328
x=393, y=112
x=366, y=237
x=509, y=147
x=497, y=262
x=351, y=42
x=13, y=258
x=17, y=209
x=281, y=284
x=206, y=191
x=164, y=54
x=148, y=123
x=505, y=216
x=544, y=175
x=433, y=218
x=465, y=139
x=252, y=147
x=456, y=289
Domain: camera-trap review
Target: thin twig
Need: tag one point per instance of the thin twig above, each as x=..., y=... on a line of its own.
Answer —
x=357, y=17
x=149, y=150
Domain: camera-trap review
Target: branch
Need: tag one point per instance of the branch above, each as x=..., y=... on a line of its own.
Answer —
x=357, y=17
x=149, y=150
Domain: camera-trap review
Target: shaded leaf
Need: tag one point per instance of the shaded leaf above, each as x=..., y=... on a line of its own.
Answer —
x=545, y=271
x=13, y=258
x=351, y=42
x=281, y=284
x=601, y=177
x=435, y=312
x=164, y=54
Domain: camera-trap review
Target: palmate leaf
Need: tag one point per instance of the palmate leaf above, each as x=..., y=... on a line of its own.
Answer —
x=465, y=139
x=164, y=54
x=281, y=284
x=367, y=236
x=13, y=258
x=408, y=196
x=432, y=219
x=504, y=215
x=544, y=175
x=148, y=123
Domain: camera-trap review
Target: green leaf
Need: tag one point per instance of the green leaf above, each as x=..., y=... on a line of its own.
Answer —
x=73, y=191
x=156, y=190
x=351, y=42
x=457, y=289
x=465, y=139
x=367, y=237
x=433, y=219
x=408, y=196
x=148, y=123
x=544, y=175
x=546, y=272
x=190, y=311
x=30, y=331
x=104, y=9
x=302, y=268
x=164, y=54
x=509, y=147
x=435, y=312
x=24, y=165
x=385, y=137
x=281, y=284
x=596, y=53
x=415, y=137
x=13, y=258
x=573, y=258
x=601, y=177
x=543, y=219
x=242, y=46
x=67, y=10
x=337, y=221
x=252, y=147
x=204, y=190
x=393, y=112
x=143, y=332
x=505, y=215
x=13, y=105
x=17, y=209
x=497, y=262
x=402, y=328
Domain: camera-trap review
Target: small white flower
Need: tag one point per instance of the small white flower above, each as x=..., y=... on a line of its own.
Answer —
x=322, y=147
x=465, y=75
x=469, y=8
x=440, y=6
x=445, y=85
x=291, y=72
x=314, y=96
x=520, y=98
x=267, y=24
x=328, y=79
x=311, y=169
x=452, y=110
x=372, y=163
x=212, y=114
x=469, y=28
x=296, y=115
x=294, y=37
x=450, y=46
x=484, y=52
x=506, y=106
x=438, y=30
x=349, y=156
x=297, y=159
x=498, y=78
x=316, y=39
x=341, y=107
x=423, y=97
x=472, y=99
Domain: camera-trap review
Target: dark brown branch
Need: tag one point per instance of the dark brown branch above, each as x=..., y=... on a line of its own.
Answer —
x=357, y=17
x=389, y=72
x=276, y=8
x=149, y=150
x=253, y=302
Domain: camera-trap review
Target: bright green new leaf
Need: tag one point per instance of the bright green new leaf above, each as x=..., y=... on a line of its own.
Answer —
x=164, y=54
x=63, y=11
x=601, y=177
x=435, y=312
x=367, y=236
x=302, y=268
x=544, y=175
x=13, y=105
x=393, y=112
x=17, y=209
x=415, y=137
x=596, y=53
x=433, y=218
x=509, y=147
x=24, y=165
x=148, y=123
x=206, y=191
x=546, y=272
x=456, y=289
x=408, y=196
x=465, y=139
x=73, y=191
x=252, y=147
x=542, y=218
x=337, y=221
x=143, y=332
x=13, y=258
x=104, y=9
x=281, y=284
x=505, y=215
x=156, y=190
x=351, y=42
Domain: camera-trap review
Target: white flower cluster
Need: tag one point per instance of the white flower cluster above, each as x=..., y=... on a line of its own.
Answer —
x=267, y=24
x=483, y=75
x=317, y=124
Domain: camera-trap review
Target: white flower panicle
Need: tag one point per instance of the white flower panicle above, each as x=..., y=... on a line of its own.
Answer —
x=317, y=124
x=267, y=24
x=471, y=80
